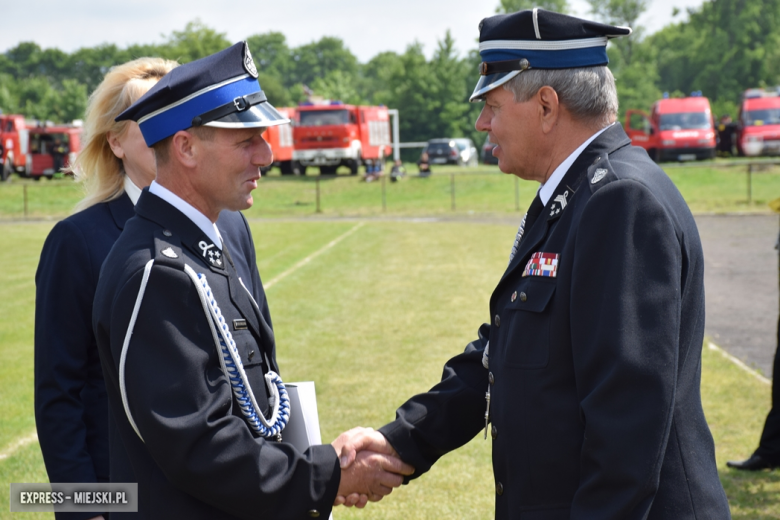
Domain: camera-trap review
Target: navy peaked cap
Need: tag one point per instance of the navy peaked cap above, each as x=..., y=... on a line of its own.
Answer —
x=538, y=39
x=220, y=90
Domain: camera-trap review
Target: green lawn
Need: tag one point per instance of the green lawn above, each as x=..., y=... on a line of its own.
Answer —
x=371, y=321
x=483, y=190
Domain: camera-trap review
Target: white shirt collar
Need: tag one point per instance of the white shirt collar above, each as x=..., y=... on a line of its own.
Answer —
x=547, y=189
x=198, y=218
x=132, y=190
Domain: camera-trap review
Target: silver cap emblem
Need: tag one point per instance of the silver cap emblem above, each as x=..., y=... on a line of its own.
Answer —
x=249, y=63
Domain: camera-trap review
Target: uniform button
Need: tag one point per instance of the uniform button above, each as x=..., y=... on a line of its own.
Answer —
x=514, y=296
x=494, y=434
x=498, y=320
x=523, y=297
x=491, y=379
x=499, y=488
x=314, y=513
x=167, y=233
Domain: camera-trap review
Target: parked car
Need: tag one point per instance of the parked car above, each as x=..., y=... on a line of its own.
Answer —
x=487, y=152
x=460, y=151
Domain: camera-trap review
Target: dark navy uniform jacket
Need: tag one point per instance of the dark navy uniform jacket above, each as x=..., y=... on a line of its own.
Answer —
x=196, y=456
x=595, y=372
x=71, y=406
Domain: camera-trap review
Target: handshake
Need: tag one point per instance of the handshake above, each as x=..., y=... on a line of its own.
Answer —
x=370, y=467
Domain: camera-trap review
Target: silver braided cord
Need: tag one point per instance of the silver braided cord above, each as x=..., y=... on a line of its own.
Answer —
x=519, y=235
x=230, y=360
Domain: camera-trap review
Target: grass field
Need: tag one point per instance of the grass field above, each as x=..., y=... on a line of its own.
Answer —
x=371, y=321
x=483, y=190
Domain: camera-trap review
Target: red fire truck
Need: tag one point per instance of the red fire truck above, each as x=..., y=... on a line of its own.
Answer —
x=280, y=138
x=679, y=129
x=758, y=129
x=333, y=134
x=36, y=149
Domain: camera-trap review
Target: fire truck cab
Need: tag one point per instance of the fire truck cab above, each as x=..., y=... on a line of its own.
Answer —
x=679, y=129
x=34, y=149
x=758, y=128
x=333, y=134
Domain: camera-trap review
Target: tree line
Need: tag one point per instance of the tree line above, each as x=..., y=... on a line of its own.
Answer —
x=722, y=48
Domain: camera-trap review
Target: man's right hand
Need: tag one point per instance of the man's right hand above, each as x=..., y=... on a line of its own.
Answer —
x=370, y=467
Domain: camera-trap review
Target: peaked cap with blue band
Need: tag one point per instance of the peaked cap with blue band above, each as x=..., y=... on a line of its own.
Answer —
x=538, y=39
x=220, y=90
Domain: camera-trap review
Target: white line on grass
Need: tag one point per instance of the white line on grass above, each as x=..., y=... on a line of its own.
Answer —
x=18, y=444
x=311, y=257
x=739, y=363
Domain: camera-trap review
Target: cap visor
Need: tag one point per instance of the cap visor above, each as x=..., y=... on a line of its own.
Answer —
x=261, y=115
x=488, y=83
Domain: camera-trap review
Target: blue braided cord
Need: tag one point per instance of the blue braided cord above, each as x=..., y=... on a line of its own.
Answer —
x=238, y=385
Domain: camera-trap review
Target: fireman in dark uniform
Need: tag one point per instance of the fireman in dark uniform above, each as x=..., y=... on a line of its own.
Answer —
x=727, y=130
x=592, y=357
x=58, y=153
x=188, y=352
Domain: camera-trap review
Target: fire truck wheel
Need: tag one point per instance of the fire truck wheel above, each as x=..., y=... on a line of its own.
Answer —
x=8, y=167
x=297, y=168
x=286, y=167
x=353, y=165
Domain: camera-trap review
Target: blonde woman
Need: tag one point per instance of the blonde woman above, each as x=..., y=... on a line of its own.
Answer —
x=71, y=407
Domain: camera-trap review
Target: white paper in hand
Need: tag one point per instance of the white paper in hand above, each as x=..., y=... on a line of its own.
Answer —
x=303, y=428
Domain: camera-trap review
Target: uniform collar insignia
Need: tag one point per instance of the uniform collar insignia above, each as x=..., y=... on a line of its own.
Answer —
x=559, y=203
x=210, y=253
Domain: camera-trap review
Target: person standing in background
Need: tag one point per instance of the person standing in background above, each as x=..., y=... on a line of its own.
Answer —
x=767, y=454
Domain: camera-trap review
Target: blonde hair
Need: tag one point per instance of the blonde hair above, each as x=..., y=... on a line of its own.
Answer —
x=96, y=167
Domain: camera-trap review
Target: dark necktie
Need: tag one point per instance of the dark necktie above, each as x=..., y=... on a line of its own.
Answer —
x=528, y=222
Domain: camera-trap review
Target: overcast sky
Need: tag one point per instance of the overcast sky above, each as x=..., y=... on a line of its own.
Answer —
x=367, y=27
